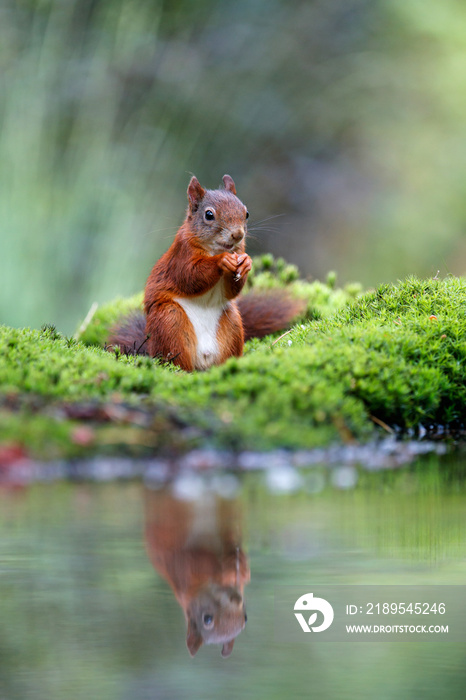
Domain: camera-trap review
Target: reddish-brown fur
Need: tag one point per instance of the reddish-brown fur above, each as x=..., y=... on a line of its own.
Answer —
x=196, y=547
x=205, y=253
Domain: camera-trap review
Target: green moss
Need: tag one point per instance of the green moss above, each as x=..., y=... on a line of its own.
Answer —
x=398, y=354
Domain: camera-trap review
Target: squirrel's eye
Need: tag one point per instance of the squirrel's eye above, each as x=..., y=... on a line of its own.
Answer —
x=247, y=215
x=209, y=215
x=208, y=620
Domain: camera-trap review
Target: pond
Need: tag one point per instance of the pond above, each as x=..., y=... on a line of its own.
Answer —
x=98, y=580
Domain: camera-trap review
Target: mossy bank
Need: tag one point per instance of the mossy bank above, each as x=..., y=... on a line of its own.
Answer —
x=393, y=357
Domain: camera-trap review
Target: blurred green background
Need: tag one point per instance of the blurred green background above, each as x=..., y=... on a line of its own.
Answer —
x=344, y=119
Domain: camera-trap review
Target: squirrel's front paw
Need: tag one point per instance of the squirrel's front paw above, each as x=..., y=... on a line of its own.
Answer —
x=243, y=266
x=228, y=262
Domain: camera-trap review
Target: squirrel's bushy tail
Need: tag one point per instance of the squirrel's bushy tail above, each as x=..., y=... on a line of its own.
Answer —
x=262, y=313
x=130, y=335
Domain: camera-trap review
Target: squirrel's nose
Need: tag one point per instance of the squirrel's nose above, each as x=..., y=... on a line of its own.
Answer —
x=237, y=234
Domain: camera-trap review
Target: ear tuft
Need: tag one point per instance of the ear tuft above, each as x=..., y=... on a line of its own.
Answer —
x=227, y=648
x=193, y=638
x=229, y=184
x=195, y=193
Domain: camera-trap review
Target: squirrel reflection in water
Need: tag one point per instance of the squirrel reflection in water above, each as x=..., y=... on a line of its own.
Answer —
x=195, y=545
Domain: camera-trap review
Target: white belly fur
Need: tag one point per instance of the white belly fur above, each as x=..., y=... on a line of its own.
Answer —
x=204, y=312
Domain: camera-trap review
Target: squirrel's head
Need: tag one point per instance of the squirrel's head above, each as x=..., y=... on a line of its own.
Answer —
x=217, y=218
x=215, y=616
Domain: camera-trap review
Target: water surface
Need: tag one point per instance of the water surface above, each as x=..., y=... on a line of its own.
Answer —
x=90, y=607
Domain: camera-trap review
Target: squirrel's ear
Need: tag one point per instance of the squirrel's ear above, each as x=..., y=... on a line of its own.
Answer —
x=193, y=638
x=195, y=193
x=227, y=648
x=229, y=184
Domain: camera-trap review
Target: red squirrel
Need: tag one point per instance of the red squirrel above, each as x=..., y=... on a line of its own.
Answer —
x=195, y=545
x=194, y=316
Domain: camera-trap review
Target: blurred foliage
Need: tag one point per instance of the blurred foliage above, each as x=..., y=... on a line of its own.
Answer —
x=342, y=119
